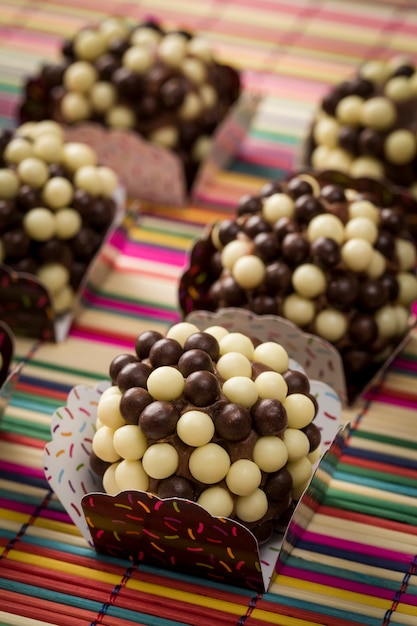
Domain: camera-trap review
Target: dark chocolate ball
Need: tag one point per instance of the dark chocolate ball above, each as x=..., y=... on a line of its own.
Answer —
x=254, y=225
x=363, y=329
x=118, y=363
x=278, y=277
x=172, y=92
x=176, y=487
x=295, y=248
x=132, y=403
x=203, y=341
x=269, y=417
x=371, y=143
x=297, y=382
x=266, y=246
x=233, y=422
x=227, y=231
x=249, y=204
x=342, y=289
x=194, y=360
x=348, y=138
x=278, y=484
x=297, y=187
x=333, y=193
x=284, y=226
x=313, y=435
x=145, y=341
x=306, y=207
x=133, y=375
x=372, y=294
x=201, y=388
x=159, y=419
x=325, y=252
x=165, y=351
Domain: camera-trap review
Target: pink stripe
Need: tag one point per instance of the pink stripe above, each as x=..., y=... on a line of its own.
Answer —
x=128, y=307
x=22, y=470
x=339, y=583
x=147, y=252
x=352, y=546
x=409, y=403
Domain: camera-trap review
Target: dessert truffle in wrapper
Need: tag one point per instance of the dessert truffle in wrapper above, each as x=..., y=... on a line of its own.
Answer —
x=57, y=204
x=330, y=253
x=212, y=416
x=163, y=526
x=163, y=84
x=366, y=125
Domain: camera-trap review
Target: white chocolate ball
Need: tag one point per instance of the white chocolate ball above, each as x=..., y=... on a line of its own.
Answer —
x=108, y=411
x=298, y=310
x=357, y=254
x=326, y=225
x=103, y=445
x=80, y=76
x=276, y=206
x=130, y=442
x=236, y=342
x=270, y=453
x=378, y=113
x=181, y=331
x=33, y=171
x=160, y=460
x=209, y=464
x=68, y=223
x=240, y=390
x=249, y=271
x=195, y=428
x=272, y=354
x=271, y=385
x=9, y=184
x=57, y=192
x=234, y=364
x=309, y=280
x=217, y=501
x=297, y=443
x=39, y=224
x=243, y=477
x=300, y=410
x=165, y=383
x=331, y=324
x=131, y=475
x=252, y=507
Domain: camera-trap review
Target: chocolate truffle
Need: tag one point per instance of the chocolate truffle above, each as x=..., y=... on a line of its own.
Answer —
x=368, y=127
x=163, y=84
x=227, y=440
x=56, y=206
x=344, y=270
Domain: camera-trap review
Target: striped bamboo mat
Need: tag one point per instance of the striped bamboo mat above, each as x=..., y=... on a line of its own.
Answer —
x=356, y=563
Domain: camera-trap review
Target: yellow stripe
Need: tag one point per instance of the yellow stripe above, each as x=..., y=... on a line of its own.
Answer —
x=316, y=589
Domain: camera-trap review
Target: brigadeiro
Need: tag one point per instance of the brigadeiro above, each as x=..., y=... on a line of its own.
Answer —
x=56, y=206
x=212, y=416
x=366, y=125
x=163, y=84
x=330, y=255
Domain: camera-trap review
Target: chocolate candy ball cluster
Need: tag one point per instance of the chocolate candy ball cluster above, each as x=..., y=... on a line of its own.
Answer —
x=366, y=126
x=328, y=258
x=214, y=417
x=163, y=84
x=56, y=205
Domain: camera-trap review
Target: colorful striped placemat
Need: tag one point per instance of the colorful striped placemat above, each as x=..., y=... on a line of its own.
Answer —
x=356, y=562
